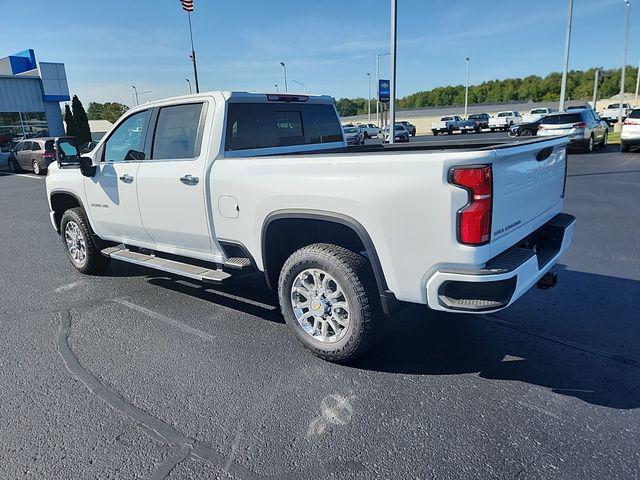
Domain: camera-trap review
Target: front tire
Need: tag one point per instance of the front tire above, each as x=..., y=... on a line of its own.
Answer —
x=13, y=166
x=81, y=249
x=329, y=299
x=624, y=148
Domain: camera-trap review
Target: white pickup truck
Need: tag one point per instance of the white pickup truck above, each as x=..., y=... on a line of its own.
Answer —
x=220, y=184
x=610, y=114
x=504, y=120
x=448, y=125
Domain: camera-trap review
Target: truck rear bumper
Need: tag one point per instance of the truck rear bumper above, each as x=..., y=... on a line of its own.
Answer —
x=505, y=278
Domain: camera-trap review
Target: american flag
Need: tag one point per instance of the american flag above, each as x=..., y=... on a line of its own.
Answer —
x=187, y=5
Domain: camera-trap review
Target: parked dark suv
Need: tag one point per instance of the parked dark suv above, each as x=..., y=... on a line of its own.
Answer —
x=480, y=119
x=33, y=154
x=410, y=128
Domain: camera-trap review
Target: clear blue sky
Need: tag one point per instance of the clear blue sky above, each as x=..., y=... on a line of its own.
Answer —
x=330, y=44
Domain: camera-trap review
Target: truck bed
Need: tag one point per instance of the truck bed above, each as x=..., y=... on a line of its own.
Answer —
x=476, y=144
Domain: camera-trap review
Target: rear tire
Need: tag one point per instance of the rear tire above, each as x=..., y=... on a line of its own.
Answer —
x=335, y=327
x=591, y=145
x=624, y=148
x=35, y=166
x=435, y=133
x=77, y=237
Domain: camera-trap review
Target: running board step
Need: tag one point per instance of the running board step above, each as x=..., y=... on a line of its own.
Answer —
x=238, y=263
x=196, y=272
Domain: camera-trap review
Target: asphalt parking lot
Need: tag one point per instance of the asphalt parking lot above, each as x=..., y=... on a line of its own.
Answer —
x=138, y=375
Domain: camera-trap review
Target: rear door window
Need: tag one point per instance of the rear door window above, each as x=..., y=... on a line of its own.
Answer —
x=35, y=147
x=176, y=135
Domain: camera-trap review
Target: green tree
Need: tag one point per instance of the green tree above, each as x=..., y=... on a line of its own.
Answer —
x=83, y=131
x=72, y=130
x=110, y=111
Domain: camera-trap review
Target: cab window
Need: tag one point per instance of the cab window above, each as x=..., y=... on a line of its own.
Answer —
x=126, y=143
x=176, y=134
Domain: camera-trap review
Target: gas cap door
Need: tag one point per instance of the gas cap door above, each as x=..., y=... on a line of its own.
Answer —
x=228, y=206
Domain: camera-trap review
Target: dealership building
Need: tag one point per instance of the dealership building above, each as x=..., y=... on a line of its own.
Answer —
x=30, y=96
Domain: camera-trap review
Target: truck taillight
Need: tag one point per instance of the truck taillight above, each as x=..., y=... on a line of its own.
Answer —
x=474, y=219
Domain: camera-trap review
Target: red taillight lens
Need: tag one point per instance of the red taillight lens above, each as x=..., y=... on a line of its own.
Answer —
x=580, y=125
x=541, y=127
x=630, y=122
x=474, y=220
x=48, y=154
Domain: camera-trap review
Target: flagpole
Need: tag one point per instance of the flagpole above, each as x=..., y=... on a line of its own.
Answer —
x=193, y=56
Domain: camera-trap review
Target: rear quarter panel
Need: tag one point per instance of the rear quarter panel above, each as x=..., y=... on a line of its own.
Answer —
x=403, y=200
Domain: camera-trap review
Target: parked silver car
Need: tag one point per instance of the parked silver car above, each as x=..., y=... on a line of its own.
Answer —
x=585, y=128
x=34, y=154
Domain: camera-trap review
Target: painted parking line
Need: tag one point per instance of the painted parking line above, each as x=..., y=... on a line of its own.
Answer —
x=23, y=175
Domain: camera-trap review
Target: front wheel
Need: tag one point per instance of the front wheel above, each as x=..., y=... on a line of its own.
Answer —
x=624, y=148
x=13, y=166
x=78, y=240
x=329, y=299
x=605, y=140
x=435, y=133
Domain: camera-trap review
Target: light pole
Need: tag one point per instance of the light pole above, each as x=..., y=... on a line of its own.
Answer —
x=567, y=47
x=392, y=100
x=276, y=85
x=466, y=91
x=596, y=84
x=635, y=104
x=189, y=82
x=284, y=68
x=624, y=59
x=302, y=84
x=135, y=92
x=378, y=85
x=369, y=98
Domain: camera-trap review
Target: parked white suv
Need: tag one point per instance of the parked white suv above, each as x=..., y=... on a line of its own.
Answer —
x=214, y=185
x=630, y=135
x=504, y=120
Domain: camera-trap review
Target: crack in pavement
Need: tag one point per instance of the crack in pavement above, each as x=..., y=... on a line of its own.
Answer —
x=182, y=446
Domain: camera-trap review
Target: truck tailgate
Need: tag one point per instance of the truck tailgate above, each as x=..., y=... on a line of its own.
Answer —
x=528, y=181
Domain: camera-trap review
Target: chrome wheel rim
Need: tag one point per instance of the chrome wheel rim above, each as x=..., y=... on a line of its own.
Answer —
x=36, y=167
x=75, y=243
x=320, y=305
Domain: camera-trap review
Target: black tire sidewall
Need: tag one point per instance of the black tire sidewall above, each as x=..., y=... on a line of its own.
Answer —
x=349, y=278
x=95, y=261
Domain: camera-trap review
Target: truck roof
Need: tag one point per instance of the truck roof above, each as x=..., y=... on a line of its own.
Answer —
x=249, y=97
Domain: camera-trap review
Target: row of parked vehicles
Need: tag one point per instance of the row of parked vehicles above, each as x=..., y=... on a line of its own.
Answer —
x=357, y=134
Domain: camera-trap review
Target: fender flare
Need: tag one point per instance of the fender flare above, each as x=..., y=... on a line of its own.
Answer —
x=389, y=302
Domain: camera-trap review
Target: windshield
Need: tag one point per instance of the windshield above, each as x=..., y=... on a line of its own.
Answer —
x=562, y=119
x=538, y=111
x=635, y=114
x=446, y=119
x=504, y=114
x=350, y=130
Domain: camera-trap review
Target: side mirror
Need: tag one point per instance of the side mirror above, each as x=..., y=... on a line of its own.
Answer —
x=87, y=168
x=67, y=153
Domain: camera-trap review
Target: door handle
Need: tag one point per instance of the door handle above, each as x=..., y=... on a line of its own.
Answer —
x=126, y=178
x=189, y=180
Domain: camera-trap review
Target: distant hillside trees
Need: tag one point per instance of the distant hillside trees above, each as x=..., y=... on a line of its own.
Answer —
x=533, y=88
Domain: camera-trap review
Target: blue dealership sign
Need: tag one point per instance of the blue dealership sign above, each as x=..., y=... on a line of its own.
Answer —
x=384, y=90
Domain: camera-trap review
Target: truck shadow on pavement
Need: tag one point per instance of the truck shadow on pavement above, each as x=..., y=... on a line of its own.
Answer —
x=571, y=341
x=567, y=339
